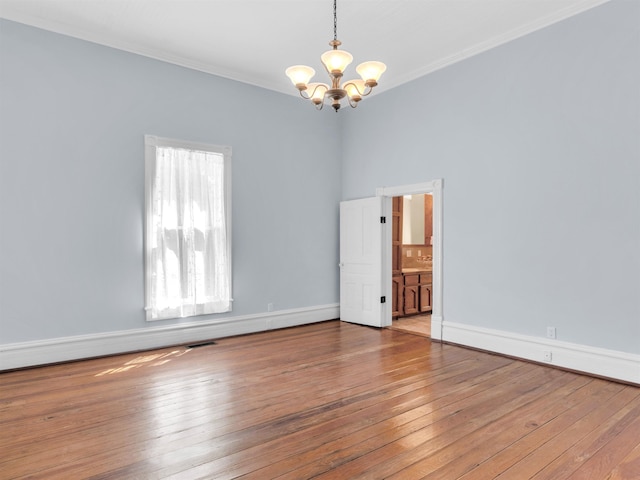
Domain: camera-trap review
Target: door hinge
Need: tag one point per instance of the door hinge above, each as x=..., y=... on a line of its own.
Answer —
x=383, y=299
x=383, y=219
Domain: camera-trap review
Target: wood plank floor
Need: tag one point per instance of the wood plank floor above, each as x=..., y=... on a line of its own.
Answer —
x=326, y=401
x=416, y=324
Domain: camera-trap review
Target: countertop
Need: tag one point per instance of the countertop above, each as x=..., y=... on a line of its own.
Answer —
x=417, y=270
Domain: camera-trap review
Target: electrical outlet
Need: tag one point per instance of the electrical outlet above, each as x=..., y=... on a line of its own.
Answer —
x=408, y=253
x=547, y=356
x=551, y=332
x=269, y=307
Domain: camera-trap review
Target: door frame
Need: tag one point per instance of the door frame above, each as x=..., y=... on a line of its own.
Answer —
x=433, y=187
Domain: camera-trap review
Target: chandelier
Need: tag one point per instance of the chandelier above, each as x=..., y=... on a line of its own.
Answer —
x=335, y=61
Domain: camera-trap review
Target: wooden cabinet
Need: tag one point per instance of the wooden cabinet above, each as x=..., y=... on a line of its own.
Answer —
x=425, y=298
x=397, y=288
x=411, y=302
x=426, y=285
x=412, y=293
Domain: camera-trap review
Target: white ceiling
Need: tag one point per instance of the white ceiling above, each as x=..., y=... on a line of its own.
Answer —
x=254, y=41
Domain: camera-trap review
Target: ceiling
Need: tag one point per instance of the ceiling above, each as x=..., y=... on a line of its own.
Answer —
x=254, y=41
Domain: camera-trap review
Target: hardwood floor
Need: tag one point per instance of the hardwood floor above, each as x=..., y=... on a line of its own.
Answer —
x=326, y=401
x=415, y=324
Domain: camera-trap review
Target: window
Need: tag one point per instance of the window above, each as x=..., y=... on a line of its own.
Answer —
x=187, y=233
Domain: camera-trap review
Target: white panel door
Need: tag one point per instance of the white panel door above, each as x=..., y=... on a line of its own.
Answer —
x=361, y=236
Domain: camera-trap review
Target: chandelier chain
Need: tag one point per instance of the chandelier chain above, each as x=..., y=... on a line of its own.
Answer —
x=335, y=20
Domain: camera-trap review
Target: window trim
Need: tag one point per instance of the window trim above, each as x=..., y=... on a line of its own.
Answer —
x=151, y=142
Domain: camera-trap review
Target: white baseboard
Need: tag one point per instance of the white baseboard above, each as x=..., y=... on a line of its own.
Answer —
x=436, y=327
x=593, y=360
x=28, y=354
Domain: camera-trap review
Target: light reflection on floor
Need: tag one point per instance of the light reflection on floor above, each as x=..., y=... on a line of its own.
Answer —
x=152, y=360
x=194, y=406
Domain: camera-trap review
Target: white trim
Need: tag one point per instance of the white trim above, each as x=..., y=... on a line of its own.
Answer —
x=436, y=326
x=496, y=41
x=28, y=354
x=164, y=55
x=592, y=360
x=386, y=270
x=435, y=188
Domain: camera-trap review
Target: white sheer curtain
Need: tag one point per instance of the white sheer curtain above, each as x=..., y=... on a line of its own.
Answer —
x=189, y=270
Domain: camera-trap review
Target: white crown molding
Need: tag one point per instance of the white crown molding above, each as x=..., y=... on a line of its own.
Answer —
x=284, y=86
x=28, y=354
x=153, y=53
x=582, y=358
x=495, y=42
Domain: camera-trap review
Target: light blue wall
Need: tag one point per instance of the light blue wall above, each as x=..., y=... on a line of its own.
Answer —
x=72, y=119
x=538, y=143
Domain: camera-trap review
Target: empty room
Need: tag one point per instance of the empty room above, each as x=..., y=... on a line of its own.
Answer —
x=210, y=251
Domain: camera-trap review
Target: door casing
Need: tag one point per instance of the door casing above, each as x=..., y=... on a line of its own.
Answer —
x=433, y=187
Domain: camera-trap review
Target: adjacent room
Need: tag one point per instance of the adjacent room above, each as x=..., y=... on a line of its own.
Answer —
x=204, y=275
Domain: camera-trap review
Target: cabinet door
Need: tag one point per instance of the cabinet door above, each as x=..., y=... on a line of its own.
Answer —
x=410, y=299
x=425, y=298
x=396, y=296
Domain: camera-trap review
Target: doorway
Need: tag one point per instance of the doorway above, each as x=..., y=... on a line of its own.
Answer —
x=413, y=273
x=412, y=253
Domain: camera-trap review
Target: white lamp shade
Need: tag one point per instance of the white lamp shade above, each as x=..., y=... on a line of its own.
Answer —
x=371, y=71
x=317, y=91
x=336, y=60
x=354, y=88
x=300, y=74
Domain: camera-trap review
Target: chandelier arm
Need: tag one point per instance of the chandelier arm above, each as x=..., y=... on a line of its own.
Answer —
x=306, y=96
x=352, y=104
x=367, y=89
